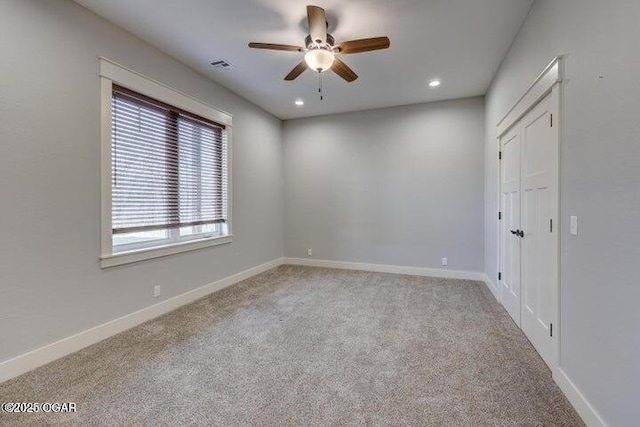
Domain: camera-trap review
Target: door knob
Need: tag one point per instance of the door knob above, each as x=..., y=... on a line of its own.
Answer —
x=516, y=232
x=520, y=233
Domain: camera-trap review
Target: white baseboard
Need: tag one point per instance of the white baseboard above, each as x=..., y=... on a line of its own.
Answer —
x=577, y=399
x=26, y=362
x=383, y=268
x=492, y=286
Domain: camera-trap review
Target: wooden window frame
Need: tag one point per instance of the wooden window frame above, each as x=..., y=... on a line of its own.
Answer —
x=114, y=75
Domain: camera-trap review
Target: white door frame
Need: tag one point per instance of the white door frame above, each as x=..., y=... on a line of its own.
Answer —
x=548, y=81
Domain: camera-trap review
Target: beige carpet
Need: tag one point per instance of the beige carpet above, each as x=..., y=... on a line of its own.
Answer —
x=300, y=346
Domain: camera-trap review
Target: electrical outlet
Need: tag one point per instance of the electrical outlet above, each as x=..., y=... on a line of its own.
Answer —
x=445, y=261
x=156, y=291
x=310, y=252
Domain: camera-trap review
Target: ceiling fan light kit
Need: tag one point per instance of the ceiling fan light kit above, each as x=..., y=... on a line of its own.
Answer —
x=320, y=49
x=319, y=59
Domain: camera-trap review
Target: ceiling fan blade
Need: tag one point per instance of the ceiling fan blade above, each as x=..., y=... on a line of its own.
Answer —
x=343, y=70
x=271, y=46
x=317, y=24
x=364, y=45
x=299, y=69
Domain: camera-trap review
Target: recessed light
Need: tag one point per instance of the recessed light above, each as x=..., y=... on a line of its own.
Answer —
x=434, y=83
x=299, y=102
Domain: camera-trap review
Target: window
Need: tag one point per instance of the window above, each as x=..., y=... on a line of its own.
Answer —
x=168, y=174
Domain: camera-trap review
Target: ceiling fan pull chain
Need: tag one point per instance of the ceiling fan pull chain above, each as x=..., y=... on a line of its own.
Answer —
x=320, y=86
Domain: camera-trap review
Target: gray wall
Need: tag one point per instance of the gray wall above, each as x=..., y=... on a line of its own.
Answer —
x=400, y=186
x=600, y=183
x=51, y=284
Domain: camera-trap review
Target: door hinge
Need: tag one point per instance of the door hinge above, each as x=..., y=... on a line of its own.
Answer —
x=499, y=155
x=551, y=226
x=551, y=118
x=551, y=329
x=499, y=215
x=499, y=276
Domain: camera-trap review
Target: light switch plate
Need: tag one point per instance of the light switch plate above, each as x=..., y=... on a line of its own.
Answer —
x=573, y=225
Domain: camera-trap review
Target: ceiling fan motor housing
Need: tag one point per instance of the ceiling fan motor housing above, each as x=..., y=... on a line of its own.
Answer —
x=310, y=44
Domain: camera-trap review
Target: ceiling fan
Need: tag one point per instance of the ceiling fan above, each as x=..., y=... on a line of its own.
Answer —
x=320, y=48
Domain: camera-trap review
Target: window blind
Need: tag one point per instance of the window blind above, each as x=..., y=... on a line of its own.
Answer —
x=168, y=167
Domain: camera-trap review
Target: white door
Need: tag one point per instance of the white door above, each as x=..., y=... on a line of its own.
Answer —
x=510, y=239
x=539, y=247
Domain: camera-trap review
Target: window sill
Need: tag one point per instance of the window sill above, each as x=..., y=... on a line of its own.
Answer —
x=129, y=257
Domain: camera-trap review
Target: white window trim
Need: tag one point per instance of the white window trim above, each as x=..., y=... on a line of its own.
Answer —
x=110, y=73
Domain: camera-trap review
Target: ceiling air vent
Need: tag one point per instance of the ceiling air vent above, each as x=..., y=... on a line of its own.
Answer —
x=221, y=64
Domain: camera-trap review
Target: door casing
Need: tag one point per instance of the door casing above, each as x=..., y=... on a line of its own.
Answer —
x=549, y=82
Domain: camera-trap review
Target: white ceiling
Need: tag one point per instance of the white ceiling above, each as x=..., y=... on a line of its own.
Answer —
x=461, y=42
